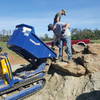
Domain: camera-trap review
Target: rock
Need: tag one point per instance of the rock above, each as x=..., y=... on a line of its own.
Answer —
x=70, y=88
x=93, y=49
x=95, y=79
x=67, y=87
x=70, y=68
x=92, y=63
x=92, y=88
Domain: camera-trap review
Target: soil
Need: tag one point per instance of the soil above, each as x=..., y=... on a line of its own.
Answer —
x=70, y=81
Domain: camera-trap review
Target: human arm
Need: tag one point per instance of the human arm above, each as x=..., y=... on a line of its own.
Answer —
x=67, y=26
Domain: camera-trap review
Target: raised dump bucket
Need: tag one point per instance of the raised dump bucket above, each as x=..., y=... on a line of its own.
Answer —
x=26, y=43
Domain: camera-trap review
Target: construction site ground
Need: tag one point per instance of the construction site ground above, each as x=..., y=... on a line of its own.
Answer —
x=85, y=61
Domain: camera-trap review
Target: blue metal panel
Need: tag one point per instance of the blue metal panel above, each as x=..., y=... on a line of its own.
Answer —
x=37, y=71
x=39, y=76
x=25, y=92
x=24, y=25
x=12, y=82
x=2, y=82
x=29, y=42
x=5, y=88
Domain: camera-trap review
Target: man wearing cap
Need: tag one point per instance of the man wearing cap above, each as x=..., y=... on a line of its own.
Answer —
x=57, y=17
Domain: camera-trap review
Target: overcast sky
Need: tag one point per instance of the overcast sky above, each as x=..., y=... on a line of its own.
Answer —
x=39, y=13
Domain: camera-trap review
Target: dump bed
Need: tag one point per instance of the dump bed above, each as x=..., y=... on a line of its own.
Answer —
x=25, y=42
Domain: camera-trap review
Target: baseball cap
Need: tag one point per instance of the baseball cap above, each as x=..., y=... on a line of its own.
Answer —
x=65, y=11
x=50, y=27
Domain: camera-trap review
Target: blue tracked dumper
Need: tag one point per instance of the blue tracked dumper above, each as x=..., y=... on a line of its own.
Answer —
x=25, y=43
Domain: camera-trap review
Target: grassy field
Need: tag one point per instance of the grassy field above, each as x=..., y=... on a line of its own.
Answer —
x=5, y=49
x=14, y=58
x=4, y=45
x=95, y=41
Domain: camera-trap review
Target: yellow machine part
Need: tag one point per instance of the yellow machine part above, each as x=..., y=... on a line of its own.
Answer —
x=5, y=68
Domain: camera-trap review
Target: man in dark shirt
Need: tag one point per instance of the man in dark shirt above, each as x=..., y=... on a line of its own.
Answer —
x=57, y=17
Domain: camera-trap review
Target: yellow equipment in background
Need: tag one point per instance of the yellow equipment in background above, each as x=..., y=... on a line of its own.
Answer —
x=5, y=69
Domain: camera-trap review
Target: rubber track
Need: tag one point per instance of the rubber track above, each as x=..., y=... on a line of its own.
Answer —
x=44, y=81
x=21, y=84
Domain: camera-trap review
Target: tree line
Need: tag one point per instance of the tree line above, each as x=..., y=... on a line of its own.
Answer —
x=5, y=35
x=77, y=34
x=85, y=34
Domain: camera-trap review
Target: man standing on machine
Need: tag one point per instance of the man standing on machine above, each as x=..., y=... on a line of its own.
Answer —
x=57, y=17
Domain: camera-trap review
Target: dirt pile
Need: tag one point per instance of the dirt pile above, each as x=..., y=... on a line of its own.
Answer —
x=89, y=58
x=61, y=86
x=79, y=80
x=85, y=60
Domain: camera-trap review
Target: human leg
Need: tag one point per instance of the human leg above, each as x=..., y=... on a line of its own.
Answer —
x=69, y=49
x=60, y=50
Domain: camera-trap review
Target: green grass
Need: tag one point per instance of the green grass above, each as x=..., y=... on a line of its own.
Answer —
x=4, y=46
x=5, y=49
x=95, y=41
